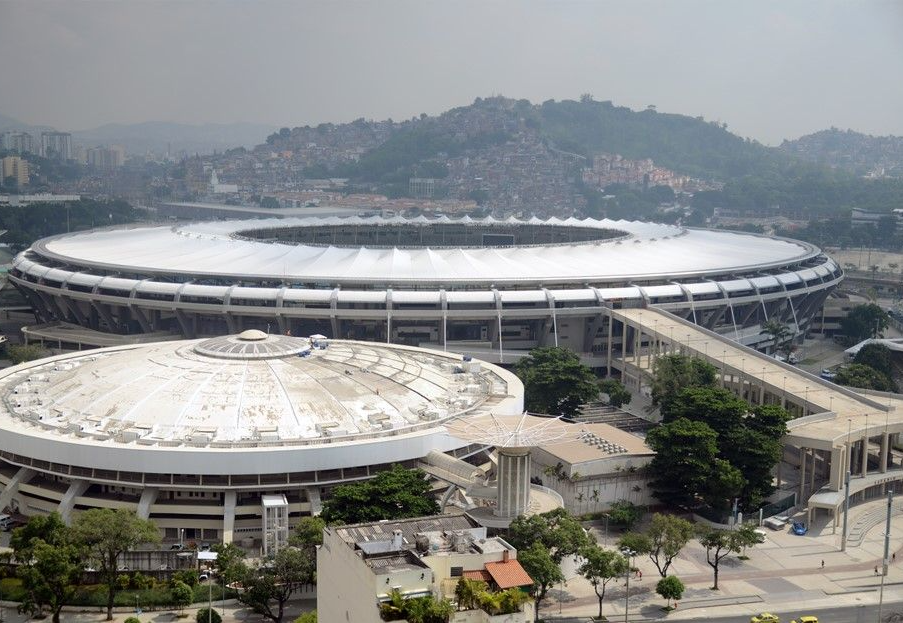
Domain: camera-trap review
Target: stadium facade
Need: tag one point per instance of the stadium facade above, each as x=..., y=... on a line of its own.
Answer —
x=491, y=288
x=202, y=435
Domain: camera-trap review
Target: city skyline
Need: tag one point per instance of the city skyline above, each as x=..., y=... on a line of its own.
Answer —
x=779, y=71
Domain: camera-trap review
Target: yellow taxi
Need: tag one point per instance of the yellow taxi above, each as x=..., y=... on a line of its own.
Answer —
x=765, y=617
x=805, y=619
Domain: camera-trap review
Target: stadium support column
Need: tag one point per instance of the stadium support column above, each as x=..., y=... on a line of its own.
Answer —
x=513, y=482
x=230, y=499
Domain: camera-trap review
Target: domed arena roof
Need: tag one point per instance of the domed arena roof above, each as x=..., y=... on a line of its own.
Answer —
x=231, y=393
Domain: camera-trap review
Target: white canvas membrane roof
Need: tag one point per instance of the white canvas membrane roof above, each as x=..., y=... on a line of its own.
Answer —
x=216, y=248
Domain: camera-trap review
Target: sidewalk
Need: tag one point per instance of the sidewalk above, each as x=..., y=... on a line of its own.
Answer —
x=784, y=575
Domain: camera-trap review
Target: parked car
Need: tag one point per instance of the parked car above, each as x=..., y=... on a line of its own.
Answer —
x=761, y=534
x=765, y=617
x=799, y=528
x=828, y=375
x=176, y=547
x=805, y=619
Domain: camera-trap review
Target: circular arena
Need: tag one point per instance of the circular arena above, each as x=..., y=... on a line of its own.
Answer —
x=201, y=435
x=490, y=288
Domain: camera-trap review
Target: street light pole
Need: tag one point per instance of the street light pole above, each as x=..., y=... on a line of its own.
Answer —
x=848, y=458
x=627, y=554
x=890, y=496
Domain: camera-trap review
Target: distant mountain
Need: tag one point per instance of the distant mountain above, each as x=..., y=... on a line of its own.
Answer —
x=862, y=154
x=160, y=136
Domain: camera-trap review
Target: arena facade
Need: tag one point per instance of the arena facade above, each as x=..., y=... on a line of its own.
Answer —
x=490, y=288
x=197, y=435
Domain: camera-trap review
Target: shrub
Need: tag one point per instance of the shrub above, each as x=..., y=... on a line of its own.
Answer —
x=133, y=620
x=208, y=615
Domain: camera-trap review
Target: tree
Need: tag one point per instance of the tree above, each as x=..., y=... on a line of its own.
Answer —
x=307, y=617
x=467, y=593
x=396, y=493
x=555, y=381
x=229, y=562
x=618, y=395
x=208, y=615
x=636, y=542
x=625, y=513
x=557, y=531
x=106, y=534
x=865, y=377
x=425, y=609
x=670, y=587
x=182, y=595
x=20, y=353
x=668, y=534
x=717, y=407
x=600, y=566
x=269, y=586
x=864, y=321
x=877, y=356
x=777, y=330
x=308, y=533
x=748, y=536
x=538, y=564
x=685, y=452
x=725, y=482
x=50, y=577
x=672, y=373
x=719, y=544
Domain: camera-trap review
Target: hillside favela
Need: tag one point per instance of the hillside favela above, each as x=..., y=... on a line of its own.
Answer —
x=451, y=312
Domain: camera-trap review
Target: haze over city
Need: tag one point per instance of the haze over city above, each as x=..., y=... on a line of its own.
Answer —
x=770, y=70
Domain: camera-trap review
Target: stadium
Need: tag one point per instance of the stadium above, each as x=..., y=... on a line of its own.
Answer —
x=486, y=287
x=203, y=436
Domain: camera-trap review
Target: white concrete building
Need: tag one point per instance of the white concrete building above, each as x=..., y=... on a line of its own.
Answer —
x=359, y=566
x=197, y=434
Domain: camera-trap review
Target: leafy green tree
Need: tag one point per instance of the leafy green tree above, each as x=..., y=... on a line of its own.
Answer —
x=20, y=353
x=268, y=587
x=308, y=533
x=715, y=406
x=467, y=593
x=864, y=321
x=425, y=609
x=685, y=452
x=396, y=493
x=636, y=542
x=556, y=530
x=667, y=534
x=555, y=381
x=719, y=544
x=672, y=373
x=877, y=356
x=865, y=377
x=618, y=395
x=182, y=595
x=208, y=615
x=47, y=528
x=600, y=566
x=105, y=534
x=229, y=562
x=769, y=420
x=50, y=577
x=670, y=587
x=625, y=513
x=725, y=482
x=540, y=566
x=307, y=617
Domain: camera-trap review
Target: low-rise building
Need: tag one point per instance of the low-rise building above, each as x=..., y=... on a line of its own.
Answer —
x=602, y=466
x=363, y=565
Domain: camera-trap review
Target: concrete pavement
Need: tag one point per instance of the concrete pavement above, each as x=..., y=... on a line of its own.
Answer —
x=784, y=575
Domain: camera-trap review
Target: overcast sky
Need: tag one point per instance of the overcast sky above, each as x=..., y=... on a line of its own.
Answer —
x=770, y=70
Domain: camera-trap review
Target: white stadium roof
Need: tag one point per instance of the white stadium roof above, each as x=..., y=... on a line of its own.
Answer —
x=217, y=248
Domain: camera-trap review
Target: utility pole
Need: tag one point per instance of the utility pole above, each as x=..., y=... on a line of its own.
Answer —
x=890, y=496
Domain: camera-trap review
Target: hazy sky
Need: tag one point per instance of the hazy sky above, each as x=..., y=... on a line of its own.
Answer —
x=770, y=70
